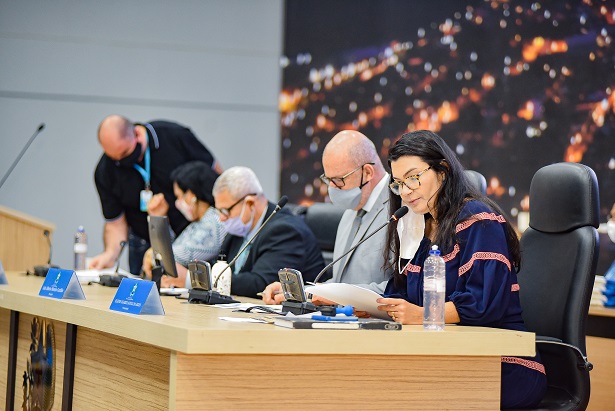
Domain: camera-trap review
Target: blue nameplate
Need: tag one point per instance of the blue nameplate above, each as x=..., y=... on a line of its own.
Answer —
x=3, y=279
x=136, y=296
x=62, y=284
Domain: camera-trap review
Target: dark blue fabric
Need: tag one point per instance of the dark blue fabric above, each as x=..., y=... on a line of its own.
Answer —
x=482, y=284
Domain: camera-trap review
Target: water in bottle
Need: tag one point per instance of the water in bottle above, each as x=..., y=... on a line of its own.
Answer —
x=221, y=276
x=80, y=248
x=434, y=288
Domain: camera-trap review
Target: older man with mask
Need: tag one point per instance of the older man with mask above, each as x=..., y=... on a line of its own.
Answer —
x=285, y=242
x=357, y=182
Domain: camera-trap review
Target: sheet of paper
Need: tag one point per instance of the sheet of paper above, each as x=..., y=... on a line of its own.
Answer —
x=360, y=298
x=85, y=276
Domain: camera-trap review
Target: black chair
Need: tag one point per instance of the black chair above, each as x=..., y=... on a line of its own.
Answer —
x=477, y=180
x=559, y=253
x=323, y=219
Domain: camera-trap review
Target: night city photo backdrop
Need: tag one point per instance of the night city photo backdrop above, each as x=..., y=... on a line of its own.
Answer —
x=510, y=85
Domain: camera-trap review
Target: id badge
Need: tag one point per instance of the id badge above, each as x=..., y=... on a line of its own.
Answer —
x=145, y=196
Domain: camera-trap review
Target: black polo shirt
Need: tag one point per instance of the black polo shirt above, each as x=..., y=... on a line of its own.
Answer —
x=170, y=145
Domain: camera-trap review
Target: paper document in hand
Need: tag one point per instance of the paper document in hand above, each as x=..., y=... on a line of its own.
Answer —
x=360, y=298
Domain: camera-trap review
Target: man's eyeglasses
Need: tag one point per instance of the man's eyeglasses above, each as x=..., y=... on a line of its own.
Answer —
x=339, y=182
x=411, y=182
x=227, y=211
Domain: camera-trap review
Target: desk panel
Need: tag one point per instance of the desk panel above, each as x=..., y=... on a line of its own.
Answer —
x=111, y=372
x=601, y=352
x=337, y=382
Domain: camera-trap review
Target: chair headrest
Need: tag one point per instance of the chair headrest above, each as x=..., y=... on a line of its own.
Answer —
x=477, y=180
x=564, y=196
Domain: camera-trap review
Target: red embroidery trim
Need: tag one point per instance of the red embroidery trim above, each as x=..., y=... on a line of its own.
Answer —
x=412, y=269
x=452, y=254
x=478, y=217
x=483, y=255
x=525, y=363
x=515, y=287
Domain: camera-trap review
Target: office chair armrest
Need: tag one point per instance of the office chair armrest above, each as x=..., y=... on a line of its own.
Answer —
x=581, y=358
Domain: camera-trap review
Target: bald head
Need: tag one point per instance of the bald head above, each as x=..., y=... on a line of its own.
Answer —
x=116, y=135
x=348, y=150
x=353, y=149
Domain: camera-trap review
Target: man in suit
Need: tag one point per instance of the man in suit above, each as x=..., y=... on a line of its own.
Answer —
x=285, y=242
x=357, y=182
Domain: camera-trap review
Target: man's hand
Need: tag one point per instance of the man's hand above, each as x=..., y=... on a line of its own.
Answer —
x=158, y=206
x=273, y=294
x=104, y=260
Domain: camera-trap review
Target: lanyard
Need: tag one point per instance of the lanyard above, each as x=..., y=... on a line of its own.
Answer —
x=147, y=172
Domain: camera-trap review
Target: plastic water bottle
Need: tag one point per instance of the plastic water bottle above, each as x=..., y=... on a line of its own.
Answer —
x=434, y=288
x=221, y=276
x=80, y=248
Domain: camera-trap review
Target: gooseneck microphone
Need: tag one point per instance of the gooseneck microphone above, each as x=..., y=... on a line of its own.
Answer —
x=281, y=203
x=117, y=265
x=402, y=211
x=8, y=173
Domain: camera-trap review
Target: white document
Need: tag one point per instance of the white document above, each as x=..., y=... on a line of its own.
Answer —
x=360, y=298
x=86, y=276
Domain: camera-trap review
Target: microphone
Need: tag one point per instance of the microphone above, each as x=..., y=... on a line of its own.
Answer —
x=402, y=211
x=122, y=245
x=113, y=280
x=41, y=270
x=36, y=133
x=281, y=203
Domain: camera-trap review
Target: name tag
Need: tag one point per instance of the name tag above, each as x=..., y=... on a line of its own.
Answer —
x=145, y=197
x=135, y=296
x=3, y=279
x=62, y=284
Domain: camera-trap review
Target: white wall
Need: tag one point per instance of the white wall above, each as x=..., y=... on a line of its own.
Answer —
x=209, y=64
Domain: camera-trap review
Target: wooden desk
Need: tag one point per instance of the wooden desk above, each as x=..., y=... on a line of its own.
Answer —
x=191, y=360
x=601, y=353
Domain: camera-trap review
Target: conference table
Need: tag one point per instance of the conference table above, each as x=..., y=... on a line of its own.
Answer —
x=191, y=359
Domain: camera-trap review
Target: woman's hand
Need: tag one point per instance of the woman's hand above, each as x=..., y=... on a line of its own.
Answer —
x=401, y=310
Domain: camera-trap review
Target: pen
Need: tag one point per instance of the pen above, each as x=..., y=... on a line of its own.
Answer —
x=328, y=318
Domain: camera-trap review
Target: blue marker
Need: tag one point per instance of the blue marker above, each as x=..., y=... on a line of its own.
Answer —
x=328, y=318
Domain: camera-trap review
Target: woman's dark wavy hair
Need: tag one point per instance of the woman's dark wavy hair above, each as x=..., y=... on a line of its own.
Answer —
x=197, y=177
x=456, y=188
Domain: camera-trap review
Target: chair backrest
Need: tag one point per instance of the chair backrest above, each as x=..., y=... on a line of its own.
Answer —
x=559, y=252
x=323, y=219
x=477, y=180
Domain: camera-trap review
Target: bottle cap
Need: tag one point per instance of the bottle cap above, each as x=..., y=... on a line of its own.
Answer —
x=434, y=250
x=81, y=229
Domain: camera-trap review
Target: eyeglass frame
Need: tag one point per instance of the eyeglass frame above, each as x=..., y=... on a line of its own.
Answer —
x=226, y=212
x=329, y=180
x=397, y=184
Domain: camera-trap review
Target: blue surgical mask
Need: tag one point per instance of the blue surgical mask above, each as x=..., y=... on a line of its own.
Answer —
x=235, y=226
x=346, y=199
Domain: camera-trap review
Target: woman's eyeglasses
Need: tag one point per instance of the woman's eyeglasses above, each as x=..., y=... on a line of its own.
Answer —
x=411, y=182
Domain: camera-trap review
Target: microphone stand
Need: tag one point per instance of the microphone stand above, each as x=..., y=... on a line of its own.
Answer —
x=41, y=270
x=307, y=307
x=6, y=175
x=396, y=216
x=281, y=203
